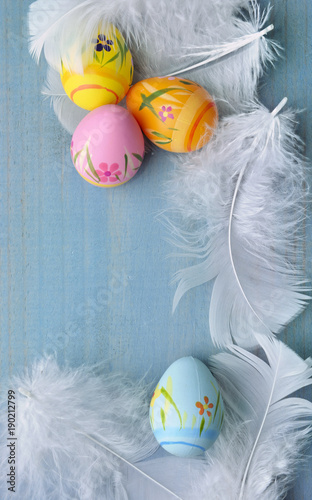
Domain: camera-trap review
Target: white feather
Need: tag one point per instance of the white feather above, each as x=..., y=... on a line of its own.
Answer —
x=257, y=460
x=68, y=113
x=54, y=26
x=56, y=410
x=163, y=38
x=225, y=52
x=240, y=202
x=264, y=435
x=214, y=53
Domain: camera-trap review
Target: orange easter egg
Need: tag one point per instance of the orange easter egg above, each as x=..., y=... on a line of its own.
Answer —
x=177, y=115
x=107, y=71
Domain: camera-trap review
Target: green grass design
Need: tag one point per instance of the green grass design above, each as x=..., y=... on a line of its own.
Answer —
x=202, y=425
x=89, y=174
x=91, y=166
x=96, y=57
x=137, y=156
x=217, y=406
x=112, y=59
x=184, y=419
x=163, y=418
x=154, y=95
x=209, y=423
x=169, y=398
x=147, y=100
x=185, y=82
x=162, y=136
x=166, y=140
x=77, y=154
x=126, y=165
x=146, y=104
x=123, y=50
x=193, y=421
x=163, y=142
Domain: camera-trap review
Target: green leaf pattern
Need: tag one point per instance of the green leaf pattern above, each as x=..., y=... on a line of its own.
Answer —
x=84, y=164
x=165, y=139
x=202, y=425
x=163, y=418
x=218, y=412
x=120, y=54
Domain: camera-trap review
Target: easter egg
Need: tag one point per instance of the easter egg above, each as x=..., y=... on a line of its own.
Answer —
x=107, y=71
x=186, y=410
x=107, y=147
x=175, y=114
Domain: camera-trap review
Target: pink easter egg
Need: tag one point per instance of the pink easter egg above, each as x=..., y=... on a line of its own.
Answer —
x=107, y=147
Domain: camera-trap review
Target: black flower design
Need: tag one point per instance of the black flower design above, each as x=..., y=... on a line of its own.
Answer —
x=102, y=43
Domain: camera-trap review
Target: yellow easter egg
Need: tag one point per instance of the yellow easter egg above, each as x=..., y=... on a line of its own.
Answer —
x=176, y=114
x=107, y=71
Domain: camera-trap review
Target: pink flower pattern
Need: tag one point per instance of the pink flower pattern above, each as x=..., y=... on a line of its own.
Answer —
x=166, y=113
x=109, y=174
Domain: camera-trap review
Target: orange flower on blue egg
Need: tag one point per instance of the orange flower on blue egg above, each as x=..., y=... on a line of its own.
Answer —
x=205, y=406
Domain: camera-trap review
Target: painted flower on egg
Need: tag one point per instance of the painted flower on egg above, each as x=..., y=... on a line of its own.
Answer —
x=107, y=147
x=102, y=43
x=103, y=175
x=176, y=114
x=186, y=410
x=109, y=174
x=205, y=406
x=166, y=113
x=106, y=73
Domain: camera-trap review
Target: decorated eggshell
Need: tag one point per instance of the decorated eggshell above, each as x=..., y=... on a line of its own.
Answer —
x=107, y=147
x=175, y=114
x=186, y=410
x=107, y=71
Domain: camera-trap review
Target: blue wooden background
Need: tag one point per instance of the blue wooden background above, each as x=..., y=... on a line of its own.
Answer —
x=84, y=271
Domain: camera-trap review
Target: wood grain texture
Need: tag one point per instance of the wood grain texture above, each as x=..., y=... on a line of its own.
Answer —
x=291, y=77
x=84, y=271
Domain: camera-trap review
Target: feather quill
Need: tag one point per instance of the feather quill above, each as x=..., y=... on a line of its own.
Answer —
x=65, y=417
x=240, y=202
x=264, y=435
x=164, y=39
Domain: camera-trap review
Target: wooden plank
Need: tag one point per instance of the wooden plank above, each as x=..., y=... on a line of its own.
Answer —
x=291, y=77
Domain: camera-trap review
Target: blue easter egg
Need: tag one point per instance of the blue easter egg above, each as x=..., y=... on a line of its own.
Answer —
x=186, y=410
